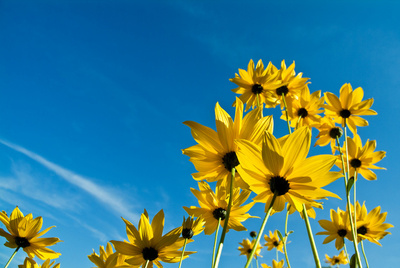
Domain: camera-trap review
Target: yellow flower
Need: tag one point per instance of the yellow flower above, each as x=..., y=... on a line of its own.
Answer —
x=29, y=263
x=255, y=82
x=336, y=260
x=275, y=264
x=284, y=170
x=348, y=107
x=273, y=241
x=361, y=158
x=191, y=227
x=371, y=225
x=108, y=259
x=213, y=206
x=337, y=228
x=328, y=132
x=215, y=154
x=148, y=244
x=23, y=232
x=304, y=111
x=248, y=246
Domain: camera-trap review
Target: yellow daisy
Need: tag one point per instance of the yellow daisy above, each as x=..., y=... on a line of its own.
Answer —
x=285, y=171
x=328, y=132
x=256, y=82
x=348, y=107
x=108, y=258
x=23, y=232
x=337, y=228
x=215, y=154
x=273, y=241
x=192, y=227
x=247, y=247
x=336, y=260
x=30, y=263
x=213, y=206
x=361, y=158
x=147, y=244
x=275, y=264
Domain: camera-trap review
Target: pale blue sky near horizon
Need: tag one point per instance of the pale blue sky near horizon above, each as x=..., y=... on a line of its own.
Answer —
x=93, y=95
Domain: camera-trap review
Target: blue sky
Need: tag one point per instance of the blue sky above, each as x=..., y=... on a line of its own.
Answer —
x=94, y=93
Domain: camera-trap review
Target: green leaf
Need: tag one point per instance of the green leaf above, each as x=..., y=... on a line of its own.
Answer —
x=353, y=262
x=280, y=235
x=350, y=184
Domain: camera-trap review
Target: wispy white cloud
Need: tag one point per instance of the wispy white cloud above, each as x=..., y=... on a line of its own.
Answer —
x=113, y=202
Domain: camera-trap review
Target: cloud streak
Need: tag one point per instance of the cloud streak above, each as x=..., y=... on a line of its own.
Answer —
x=111, y=201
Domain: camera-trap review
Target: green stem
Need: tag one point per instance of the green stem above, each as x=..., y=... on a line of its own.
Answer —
x=261, y=231
x=355, y=202
x=365, y=256
x=183, y=252
x=277, y=257
x=286, y=112
x=257, y=262
x=215, y=242
x=147, y=263
x=311, y=237
x=343, y=166
x=228, y=212
x=345, y=250
x=286, y=237
x=12, y=256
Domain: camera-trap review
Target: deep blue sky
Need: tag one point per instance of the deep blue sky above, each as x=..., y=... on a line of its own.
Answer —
x=94, y=93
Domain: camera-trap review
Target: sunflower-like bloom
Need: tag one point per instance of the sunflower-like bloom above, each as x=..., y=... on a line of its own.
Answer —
x=256, y=82
x=30, y=263
x=275, y=264
x=337, y=228
x=371, y=225
x=148, y=244
x=23, y=232
x=108, y=258
x=247, y=247
x=361, y=158
x=304, y=111
x=336, y=260
x=284, y=171
x=215, y=154
x=213, y=206
x=273, y=241
x=192, y=227
x=348, y=107
x=328, y=132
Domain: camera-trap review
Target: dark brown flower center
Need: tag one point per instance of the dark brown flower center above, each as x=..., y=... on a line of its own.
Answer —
x=355, y=163
x=219, y=213
x=276, y=243
x=342, y=232
x=336, y=260
x=257, y=89
x=253, y=234
x=150, y=254
x=335, y=132
x=230, y=161
x=249, y=250
x=345, y=113
x=362, y=230
x=302, y=112
x=22, y=242
x=187, y=233
x=279, y=185
x=283, y=90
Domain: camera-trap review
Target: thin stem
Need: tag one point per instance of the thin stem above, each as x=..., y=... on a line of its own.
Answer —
x=345, y=250
x=286, y=112
x=257, y=262
x=311, y=237
x=277, y=257
x=286, y=237
x=147, y=263
x=261, y=231
x=215, y=242
x=12, y=256
x=228, y=212
x=183, y=252
x=355, y=202
x=343, y=166
x=365, y=256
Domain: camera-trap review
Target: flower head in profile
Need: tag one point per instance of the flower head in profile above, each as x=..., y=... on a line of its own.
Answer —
x=108, y=258
x=147, y=244
x=247, y=247
x=275, y=264
x=328, y=132
x=284, y=171
x=23, y=232
x=30, y=263
x=213, y=207
x=338, y=228
x=371, y=226
x=347, y=109
x=336, y=260
x=192, y=227
x=273, y=241
x=256, y=83
x=214, y=156
x=361, y=158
